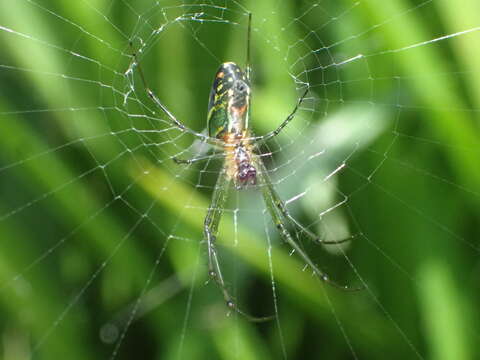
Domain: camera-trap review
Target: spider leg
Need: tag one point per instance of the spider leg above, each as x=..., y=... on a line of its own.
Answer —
x=285, y=122
x=312, y=235
x=212, y=221
x=286, y=214
x=249, y=32
x=278, y=212
x=156, y=100
x=197, y=159
x=280, y=205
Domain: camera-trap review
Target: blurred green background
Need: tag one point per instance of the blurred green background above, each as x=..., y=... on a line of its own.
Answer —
x=100, y=232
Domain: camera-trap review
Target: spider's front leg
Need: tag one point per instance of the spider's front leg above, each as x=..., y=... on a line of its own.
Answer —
x=283, y=211
x=214, y=271
x=281, y=217
x=285, y=122
x=318, y=239
x=210, y=230
x=156, y=100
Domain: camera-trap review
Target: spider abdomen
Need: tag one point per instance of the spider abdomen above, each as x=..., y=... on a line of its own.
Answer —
x=228, y=107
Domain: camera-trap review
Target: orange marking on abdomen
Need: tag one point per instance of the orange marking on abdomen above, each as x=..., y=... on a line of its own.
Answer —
x=239, y=111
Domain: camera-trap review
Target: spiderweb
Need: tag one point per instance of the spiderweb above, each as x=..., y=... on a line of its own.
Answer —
x=101, y=232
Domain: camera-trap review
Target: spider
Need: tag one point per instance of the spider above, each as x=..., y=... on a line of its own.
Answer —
x=228, y=130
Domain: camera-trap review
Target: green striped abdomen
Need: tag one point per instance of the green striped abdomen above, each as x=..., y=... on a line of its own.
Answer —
x=228, y=107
